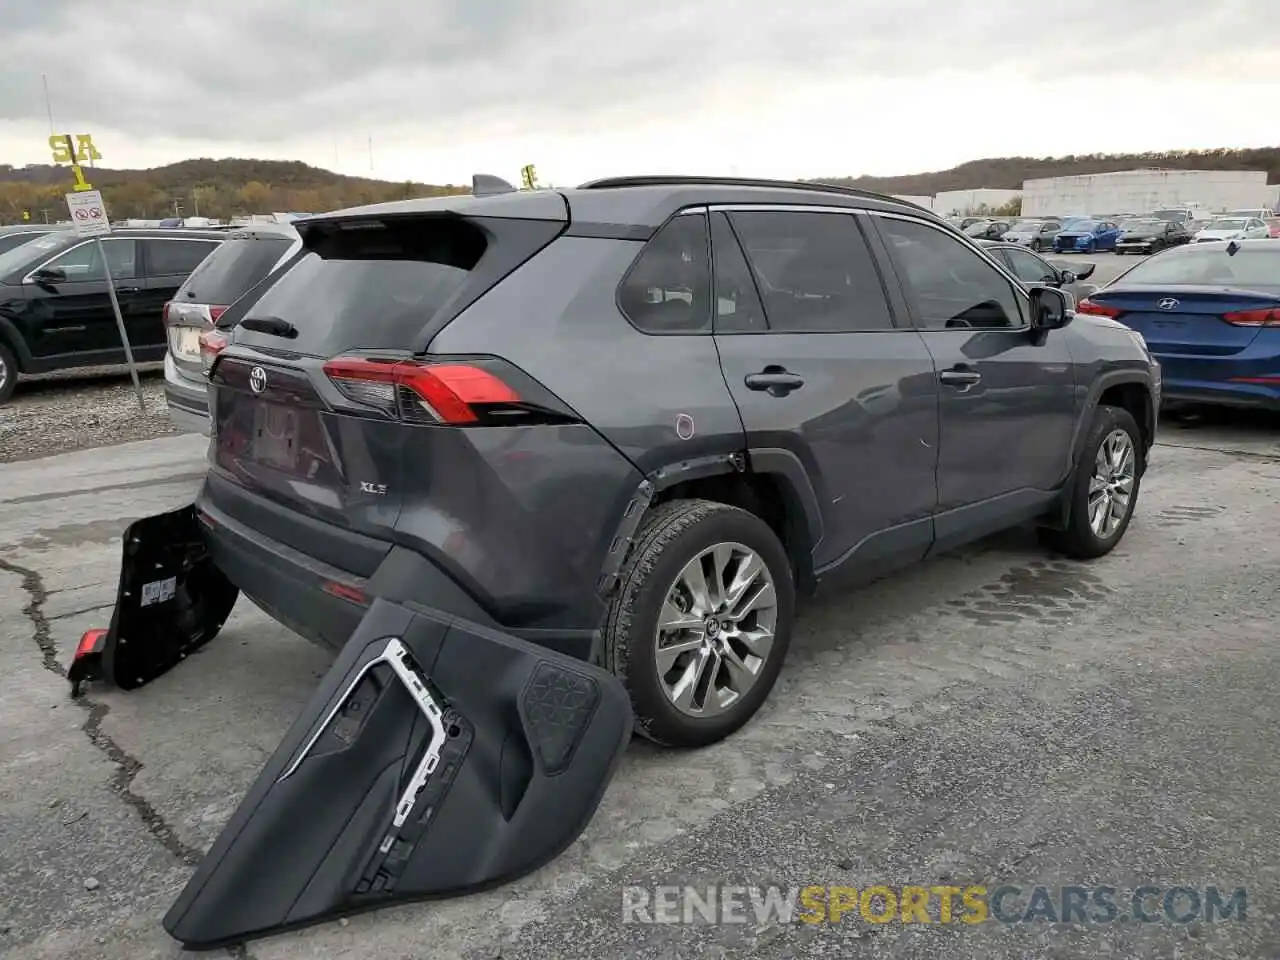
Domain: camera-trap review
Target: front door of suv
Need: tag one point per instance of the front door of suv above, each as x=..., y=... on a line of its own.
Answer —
x=1007, y=393
x=821, y=373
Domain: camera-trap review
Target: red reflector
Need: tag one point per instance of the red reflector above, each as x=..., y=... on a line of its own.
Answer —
x=212, y=343
x=164, y=313
x=1097, y=309
x=90, y=643
x=1253, y=318
x=1261, y=381
x=446, y=390
x=344, y=592
x=216, y=312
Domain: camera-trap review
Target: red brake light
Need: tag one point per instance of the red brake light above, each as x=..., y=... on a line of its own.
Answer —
x=216, y=312
x=1253, y=318
x=164, y=314
x=212, y=343
x=444, y=392
x=1097, y=309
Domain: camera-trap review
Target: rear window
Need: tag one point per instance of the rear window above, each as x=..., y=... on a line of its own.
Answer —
x=233, y=269
x=1255, y=267
x=370, y=284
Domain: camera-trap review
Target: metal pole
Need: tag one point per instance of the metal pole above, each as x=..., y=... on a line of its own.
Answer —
x=124, y=335
x=48, y=104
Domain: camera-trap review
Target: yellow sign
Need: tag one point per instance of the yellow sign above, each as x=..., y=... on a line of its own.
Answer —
x=529, y=177
x=26, y=216
x=66, y=151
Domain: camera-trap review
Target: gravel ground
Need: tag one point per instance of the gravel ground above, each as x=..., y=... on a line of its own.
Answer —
x=75, y=410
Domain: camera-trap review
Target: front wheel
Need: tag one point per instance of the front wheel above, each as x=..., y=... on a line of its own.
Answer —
x=1103, y=488
x=701, y=621
x=1092, y=247
x=8, y=372
x=1036, y=246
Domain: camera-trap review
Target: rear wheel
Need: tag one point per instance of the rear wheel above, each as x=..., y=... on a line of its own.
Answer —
x=8, y=372
x=1036, y=246
x=1103, y=488
x=701, y=621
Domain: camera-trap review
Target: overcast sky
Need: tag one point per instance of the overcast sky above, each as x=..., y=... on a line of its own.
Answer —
x=586, y=88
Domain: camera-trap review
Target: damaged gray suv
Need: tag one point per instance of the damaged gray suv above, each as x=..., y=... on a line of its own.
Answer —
x=630, y=421
x=545, y=467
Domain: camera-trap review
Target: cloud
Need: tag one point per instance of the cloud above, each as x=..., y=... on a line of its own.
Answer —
x=246, y=71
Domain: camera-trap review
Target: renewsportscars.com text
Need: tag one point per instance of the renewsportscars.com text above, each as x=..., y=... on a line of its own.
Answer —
x=881, y=903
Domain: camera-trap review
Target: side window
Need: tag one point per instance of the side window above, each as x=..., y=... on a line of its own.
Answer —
x=738, y=307
x=83, y=263
x=814, y=272
x=1029, y=268
x=950, y=285
x=1053, y=226
x=175, y=258
x=668, y=288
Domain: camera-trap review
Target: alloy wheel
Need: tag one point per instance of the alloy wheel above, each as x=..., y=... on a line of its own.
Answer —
x=1112, y=483
x=716, y=629
x=4, y=374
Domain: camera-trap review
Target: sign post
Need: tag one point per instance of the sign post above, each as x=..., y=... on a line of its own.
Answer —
x=89, y=219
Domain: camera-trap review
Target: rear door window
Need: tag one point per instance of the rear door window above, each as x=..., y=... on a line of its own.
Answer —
x=9, y=241
x=175, y=258
x=236, y=267
x=369, y=284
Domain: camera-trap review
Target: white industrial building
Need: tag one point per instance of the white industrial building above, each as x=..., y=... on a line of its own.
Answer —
x=952, y=203
x=926, y=202
x=1141, y=191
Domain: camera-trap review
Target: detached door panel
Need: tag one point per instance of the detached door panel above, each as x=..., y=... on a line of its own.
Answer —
x=818, y=368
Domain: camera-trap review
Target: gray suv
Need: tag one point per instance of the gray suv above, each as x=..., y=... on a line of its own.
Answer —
x=631, y=421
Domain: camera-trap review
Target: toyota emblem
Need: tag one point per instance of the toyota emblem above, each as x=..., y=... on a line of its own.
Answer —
x=257, y=379
x=1168, y=303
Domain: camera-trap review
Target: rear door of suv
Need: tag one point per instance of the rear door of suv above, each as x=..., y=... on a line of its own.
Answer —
x=823, y=372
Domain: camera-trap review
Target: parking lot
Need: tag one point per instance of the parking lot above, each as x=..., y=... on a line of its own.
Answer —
x=993, y=716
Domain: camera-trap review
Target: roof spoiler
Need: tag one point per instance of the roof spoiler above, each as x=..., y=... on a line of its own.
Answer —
x=487, y=185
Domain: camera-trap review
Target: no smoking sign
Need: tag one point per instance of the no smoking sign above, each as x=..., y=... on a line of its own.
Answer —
x=88, y=213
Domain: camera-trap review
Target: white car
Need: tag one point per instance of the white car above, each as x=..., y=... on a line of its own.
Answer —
x=1234, y=228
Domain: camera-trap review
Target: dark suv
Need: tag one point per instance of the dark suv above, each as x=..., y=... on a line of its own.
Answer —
x=55, y=306
x=632, y=420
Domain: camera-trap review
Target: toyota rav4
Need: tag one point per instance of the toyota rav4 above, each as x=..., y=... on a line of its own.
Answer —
x=631, y=420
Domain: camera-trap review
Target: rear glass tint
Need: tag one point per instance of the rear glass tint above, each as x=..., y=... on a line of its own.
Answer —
x=233, y=269
x=369, y=284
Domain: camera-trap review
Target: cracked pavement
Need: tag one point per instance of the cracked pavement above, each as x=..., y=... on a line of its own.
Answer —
x=997, y=715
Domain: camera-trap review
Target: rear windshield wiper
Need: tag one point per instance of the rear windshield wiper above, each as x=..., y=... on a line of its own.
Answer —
x=272, y=326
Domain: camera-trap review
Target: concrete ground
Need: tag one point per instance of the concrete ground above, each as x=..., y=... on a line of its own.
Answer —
x=995, y=716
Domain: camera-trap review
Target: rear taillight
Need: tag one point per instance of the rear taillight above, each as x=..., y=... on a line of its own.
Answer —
x=164, y=313
x=215, y=313
x=1253, y=318
x=422, y=392
x=212, y=343
x=1097, y=309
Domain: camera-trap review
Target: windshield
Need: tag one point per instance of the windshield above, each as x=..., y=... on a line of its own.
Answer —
x=1142, y=224
x=1227, y=223
x=32, y=252
x=1081, y=226
x=1251, y=267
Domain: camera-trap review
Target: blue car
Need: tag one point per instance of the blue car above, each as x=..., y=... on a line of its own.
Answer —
x=1210, y=314
x=1086, y=236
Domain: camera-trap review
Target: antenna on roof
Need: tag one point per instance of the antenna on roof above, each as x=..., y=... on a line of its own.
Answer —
x=487, y=185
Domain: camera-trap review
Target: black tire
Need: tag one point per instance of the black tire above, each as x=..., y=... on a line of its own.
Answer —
x=1036, y=246
x=8, y=372
x=1078, y=540
x=669, y=538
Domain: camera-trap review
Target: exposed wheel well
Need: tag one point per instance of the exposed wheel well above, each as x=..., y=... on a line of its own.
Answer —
x=1134, y=398
x=765, y=496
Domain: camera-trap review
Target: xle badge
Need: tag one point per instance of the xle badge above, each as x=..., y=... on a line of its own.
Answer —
x=367, y=487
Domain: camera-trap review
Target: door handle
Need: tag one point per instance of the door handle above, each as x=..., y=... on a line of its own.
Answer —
x=774, y=380
x=960, y=377
x=127, y=289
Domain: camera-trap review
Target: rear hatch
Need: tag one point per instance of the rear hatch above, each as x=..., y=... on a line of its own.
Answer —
x=325, y=380
x=1193, y=322
x=239, y=264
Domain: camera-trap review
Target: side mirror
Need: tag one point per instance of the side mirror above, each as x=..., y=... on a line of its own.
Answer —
x=50, y=275
x=1051, y=308
x=1066, y=277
